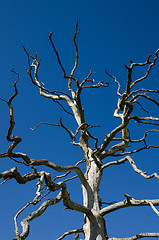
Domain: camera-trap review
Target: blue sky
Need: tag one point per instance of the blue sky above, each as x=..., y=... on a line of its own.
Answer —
x=111, y=34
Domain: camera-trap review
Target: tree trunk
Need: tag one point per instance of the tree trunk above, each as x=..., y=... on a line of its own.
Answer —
x=94, y=227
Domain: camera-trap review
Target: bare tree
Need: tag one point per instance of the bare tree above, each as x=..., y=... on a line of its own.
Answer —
x=115, y=145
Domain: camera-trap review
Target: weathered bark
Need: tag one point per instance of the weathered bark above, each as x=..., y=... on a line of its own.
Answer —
x=94, y=227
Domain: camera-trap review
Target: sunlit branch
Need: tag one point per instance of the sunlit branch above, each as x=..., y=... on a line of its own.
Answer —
x=13, y=173
x=25, y=222
x=143, y=174
x=70, y=78
x=138, y=236
x=35, y=64
x=118, y=91
x=128, y=203
x=141, y=64
x=145, y=135
x=87, y=79
x=3, y=155
x=55, y=92
x=64, y=175
x=153, y=208
x=142, y=120
x=131, y=152
x=144, y=96
x=73, y=205
x=101, y=150
x=70, y=232
x=148, y=71
x=45, y=123
x=113, y=150
x=58, y=168
x=118, y=162
x=141, y=90
x=100, y=84
x=18, y=237
x=56, y=125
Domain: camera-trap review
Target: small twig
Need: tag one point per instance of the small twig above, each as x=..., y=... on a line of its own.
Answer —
x=87, y=79
x=118, y=91
x=56, y=52
x=153, y=207
x=19, y=161
x=142, y=107
x=145, y=135
x=100, y=84
x=75, y=39
x=51, y=124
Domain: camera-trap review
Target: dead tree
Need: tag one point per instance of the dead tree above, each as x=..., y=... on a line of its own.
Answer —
x=114, y=145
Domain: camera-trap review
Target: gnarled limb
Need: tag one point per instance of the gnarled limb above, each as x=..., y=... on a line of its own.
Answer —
x=13, y=173
x=138, y=236
x=132, y=163
x=143, y=174
x=125, y=203
x=58, y=168
x=25, y=222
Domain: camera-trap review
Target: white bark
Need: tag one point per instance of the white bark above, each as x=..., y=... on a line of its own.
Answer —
x=94, y=227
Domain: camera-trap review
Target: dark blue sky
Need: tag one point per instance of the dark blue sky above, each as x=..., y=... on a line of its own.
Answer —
x=111, y=34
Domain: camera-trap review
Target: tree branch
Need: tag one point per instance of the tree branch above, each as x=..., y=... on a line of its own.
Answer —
x=25, y=222
x=56, y=52
x=118, y=91
x=125, y=203
x=70, y=232
x=13, y=173
x=138, y=236
x=149, y=68
x=118, y=162
x=143, y=174
x=73, y=205
x=75, y=40
x=64, y=175
x=58, y=168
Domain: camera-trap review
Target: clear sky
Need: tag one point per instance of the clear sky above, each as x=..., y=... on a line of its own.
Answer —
x=112, y=33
